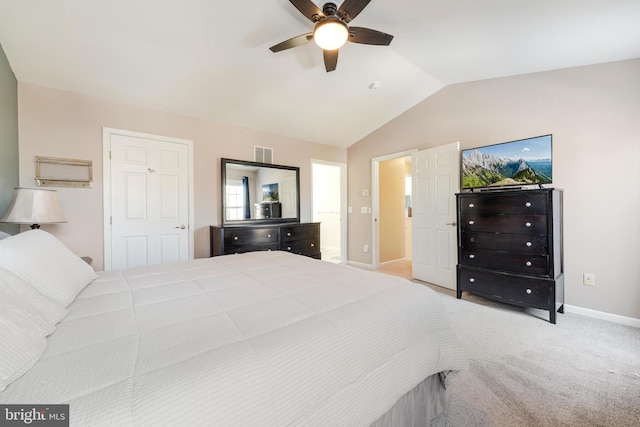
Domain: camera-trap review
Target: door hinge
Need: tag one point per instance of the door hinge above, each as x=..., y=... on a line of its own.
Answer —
x=110, y=220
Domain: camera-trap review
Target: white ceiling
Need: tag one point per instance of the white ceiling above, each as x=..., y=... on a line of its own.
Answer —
x=210, y=59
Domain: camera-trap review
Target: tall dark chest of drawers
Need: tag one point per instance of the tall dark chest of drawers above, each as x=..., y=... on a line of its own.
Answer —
x=510, y=247
x=298, y=238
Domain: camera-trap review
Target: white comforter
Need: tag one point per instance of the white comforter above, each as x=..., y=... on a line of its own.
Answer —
x=258, y=339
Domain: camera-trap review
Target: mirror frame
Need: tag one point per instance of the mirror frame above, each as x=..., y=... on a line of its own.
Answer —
x=256, y=221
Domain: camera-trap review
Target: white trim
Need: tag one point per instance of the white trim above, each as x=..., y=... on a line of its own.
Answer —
x=106, y=185
x=360, y=265
x=375, y=202
x=615, y=318
x=393, y=261
x=343, y=204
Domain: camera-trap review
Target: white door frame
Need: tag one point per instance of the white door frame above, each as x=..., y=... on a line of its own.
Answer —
x=106, y=184
x=343, y=204
x=375, y=203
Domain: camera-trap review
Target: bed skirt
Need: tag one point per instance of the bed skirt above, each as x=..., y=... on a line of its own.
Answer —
x=419, y=407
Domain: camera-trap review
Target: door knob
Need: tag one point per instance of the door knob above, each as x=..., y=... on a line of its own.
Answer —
x=182, y=227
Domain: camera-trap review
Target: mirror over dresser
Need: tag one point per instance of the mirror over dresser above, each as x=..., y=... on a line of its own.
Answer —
x=260, y=205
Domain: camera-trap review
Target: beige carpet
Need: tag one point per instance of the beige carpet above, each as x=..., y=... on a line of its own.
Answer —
x=525, y=371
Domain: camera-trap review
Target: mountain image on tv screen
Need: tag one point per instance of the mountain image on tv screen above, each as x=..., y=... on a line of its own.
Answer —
x=522, y=162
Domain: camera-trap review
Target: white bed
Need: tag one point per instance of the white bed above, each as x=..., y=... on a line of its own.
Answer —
x=263, y=338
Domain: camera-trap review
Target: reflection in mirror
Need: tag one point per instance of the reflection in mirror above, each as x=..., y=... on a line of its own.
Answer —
x=259, y=192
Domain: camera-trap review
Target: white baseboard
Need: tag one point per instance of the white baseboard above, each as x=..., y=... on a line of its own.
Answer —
x=360, y=265
x=629, y=321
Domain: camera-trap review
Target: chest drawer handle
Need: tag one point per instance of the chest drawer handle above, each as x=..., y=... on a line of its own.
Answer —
x=472, y=256
x=527, y=224
x=472, y=240
x=235, y=237
x=471, y=205
x=528, y=291
x=471, y=280
x=268, y=235
x=528, y=263
x=313, y=244
x=529, y=244
x=288, y=248
x=288, y=234
x=528, y=204
x=471, y=222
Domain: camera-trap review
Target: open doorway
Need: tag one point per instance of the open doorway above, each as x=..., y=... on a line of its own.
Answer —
x=329, y=208
x=392, y=228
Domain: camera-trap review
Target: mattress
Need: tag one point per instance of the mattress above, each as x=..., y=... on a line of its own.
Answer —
x=262, y=338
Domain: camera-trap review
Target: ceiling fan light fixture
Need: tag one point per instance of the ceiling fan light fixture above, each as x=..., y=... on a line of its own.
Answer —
x=330, y=34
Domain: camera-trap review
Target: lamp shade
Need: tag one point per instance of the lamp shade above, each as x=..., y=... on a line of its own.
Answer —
x=33, y=206
x=330, y=34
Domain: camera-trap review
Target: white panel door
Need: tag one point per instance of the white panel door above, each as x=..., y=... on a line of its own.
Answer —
x=436, y=179
x=149, y=201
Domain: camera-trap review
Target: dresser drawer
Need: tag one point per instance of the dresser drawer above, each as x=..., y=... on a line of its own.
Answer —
x=504, y=203
x=505, y=261
x=526, y=224
x=239, y=249
x=303, y=247
x=522, y=243
x=529, y=292
x=291, y=233
x=250, y=236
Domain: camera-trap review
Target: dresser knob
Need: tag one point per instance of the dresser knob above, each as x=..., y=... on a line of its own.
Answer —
x=472, y=256
x=472, y=240
x=528, y=263
x=471, y=222
x=235, y=237
x=288, y=234
x=288, y=248
x=268, y=235
x=528, y=204
x=528, y=224
x=471, y=280
x=471, y=205
x=528, y=291
x=529, y=244
x=313, y=244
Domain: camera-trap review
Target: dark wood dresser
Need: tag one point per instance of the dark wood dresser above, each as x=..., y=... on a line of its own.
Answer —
x=510, y=247
x=298, y=238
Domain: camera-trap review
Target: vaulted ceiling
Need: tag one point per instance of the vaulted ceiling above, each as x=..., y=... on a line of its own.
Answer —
x=210, y=59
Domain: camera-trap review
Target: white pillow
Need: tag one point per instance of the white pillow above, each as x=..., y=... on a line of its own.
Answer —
x=45, y=263
x=3, y=235
x=22, y=345
x=16, y=292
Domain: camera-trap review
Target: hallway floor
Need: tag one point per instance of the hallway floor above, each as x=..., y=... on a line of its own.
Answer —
x=398, y=268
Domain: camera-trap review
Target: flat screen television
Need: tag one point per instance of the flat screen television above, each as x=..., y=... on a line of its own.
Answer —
x=514, y=163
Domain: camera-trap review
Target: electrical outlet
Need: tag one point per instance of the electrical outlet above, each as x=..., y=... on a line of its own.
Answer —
x=588, y=279
x=366, y=248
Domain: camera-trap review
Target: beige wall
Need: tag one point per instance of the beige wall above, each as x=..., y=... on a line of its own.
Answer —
x=593, y=113
x=8, y=138
x=62, y=124
x=392, y=213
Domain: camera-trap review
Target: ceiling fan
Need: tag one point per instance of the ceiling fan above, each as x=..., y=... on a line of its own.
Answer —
x=331, y=30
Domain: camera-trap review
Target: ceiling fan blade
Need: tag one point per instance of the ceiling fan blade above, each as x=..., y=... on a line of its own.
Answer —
x=352, y=8
x=292, y=42
x=308, y=9
x=368, y=36
x=330, y=59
